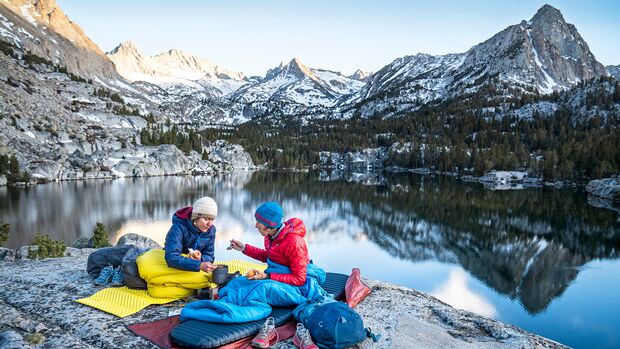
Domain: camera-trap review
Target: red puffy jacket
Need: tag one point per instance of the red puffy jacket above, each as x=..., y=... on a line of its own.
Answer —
x=289, y=249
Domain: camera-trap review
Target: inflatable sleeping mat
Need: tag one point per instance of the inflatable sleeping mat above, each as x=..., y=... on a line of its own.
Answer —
x=202, y=334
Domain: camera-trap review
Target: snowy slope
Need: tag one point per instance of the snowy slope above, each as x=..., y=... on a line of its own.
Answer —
x=174, y=67
x=543, y=55
x=296, y=83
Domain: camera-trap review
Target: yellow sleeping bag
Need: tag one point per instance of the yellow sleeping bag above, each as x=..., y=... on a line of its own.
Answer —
x=165, y=282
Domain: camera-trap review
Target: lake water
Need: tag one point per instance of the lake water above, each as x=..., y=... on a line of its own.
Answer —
x=542, y=259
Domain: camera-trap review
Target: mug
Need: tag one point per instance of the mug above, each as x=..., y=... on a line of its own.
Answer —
x=220, y=274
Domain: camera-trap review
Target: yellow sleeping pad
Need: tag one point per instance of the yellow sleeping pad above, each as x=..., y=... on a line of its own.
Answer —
x=122, y=301
x=165, y=282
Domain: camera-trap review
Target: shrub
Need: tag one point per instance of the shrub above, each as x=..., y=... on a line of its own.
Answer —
x=47, y=248
x=100, y=236
x=4, y=232
x=34, y=338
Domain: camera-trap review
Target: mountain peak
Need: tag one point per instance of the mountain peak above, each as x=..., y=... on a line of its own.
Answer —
x=293, y=67
x=126, y=47
x=298, y=69
x=360, y=75
x=176, y=52
x=548, y=14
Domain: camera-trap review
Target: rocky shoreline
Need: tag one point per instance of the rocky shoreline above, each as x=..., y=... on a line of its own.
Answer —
x=38, y=310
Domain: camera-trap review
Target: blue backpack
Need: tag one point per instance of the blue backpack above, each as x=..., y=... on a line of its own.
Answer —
x=335, y=325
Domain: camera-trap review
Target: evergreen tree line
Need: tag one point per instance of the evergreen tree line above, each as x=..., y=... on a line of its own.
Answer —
x=9, y=167
x=457, y=136
x=186, y=139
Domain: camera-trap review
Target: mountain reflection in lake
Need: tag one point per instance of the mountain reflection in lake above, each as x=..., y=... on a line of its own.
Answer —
x=542, y=259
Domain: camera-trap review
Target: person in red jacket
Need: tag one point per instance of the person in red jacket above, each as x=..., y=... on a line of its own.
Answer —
x=284, y=244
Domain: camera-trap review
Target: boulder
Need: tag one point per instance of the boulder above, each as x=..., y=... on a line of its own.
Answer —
x=7, y=254
x=607, y=188
x=83, y=242
x=46, y=169
x=229, y=156
x=138, y=241
x=72, y=252
x=24, y=251
x=358, y=161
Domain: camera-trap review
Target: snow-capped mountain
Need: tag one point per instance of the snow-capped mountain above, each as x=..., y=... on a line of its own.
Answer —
x=360, y=75
x=174, y=67
x=292, y=89
x=294, y=82
x=543, y=55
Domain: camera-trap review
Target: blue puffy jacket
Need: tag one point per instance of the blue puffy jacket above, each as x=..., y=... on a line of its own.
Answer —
x=182, y=236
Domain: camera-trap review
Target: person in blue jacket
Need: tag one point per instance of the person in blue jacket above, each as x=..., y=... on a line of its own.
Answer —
x=192, y=233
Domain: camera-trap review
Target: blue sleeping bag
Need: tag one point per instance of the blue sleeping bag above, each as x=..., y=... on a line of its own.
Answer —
x=244, y=300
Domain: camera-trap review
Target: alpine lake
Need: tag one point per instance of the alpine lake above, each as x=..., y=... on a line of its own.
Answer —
x=544, y=259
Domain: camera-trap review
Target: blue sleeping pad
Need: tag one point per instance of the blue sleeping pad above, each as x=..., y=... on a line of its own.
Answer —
x=202, y=334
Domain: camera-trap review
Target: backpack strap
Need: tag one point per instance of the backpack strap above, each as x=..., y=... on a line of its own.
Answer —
x=375, y=336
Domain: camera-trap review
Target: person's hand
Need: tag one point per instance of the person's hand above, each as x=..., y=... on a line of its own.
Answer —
x=258, y=275
x=195, y=254
x=207, y=267
x=237, y=245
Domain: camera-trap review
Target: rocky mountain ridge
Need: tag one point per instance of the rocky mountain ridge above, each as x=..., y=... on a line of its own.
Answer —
x=61, y=94
x=40, y=27
x=173, y=67
x=539, y=56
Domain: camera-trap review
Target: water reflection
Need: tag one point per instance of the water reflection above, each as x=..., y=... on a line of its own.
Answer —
x=457, y=293
x=524, y=244
x=528, y=245
x=69, y=210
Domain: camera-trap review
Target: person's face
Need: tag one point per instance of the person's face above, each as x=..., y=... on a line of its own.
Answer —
x=263, y=229
x=203, y=224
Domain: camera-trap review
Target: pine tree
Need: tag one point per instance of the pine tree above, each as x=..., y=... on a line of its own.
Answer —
x=13, y=166
x=4, y=164
x=4, y=232
x=100, y=236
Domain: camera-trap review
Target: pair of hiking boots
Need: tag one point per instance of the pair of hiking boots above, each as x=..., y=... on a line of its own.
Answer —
x=268, y=333
x=111, y=275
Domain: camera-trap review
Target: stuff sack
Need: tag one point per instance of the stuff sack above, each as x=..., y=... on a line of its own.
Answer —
x=335, y=325
x=355, y=289
x=105, y=256
x=131, y=275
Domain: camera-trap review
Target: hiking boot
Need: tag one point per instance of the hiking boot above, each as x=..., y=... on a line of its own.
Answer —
x=104, y=276
x=117, y=277
x=302, y=338
x=266, y=335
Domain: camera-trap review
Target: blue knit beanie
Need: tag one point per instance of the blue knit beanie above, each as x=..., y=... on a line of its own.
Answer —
x=270, y=214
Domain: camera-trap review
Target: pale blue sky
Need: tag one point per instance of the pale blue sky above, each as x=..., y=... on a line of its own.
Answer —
x=342, y=35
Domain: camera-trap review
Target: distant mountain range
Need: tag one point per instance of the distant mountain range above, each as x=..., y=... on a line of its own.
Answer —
x=62, y=93
x=542, y=55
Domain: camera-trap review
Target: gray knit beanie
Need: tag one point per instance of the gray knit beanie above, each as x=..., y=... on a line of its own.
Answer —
x=204, y=207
